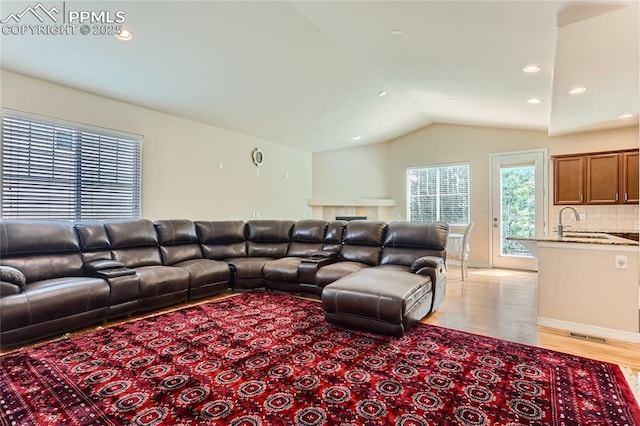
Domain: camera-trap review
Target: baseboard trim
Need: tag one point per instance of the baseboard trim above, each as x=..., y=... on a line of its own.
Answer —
x=610, y=333
x=469, y=264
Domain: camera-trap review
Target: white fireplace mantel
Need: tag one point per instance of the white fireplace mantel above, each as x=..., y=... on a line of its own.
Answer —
x=372, y=208
x=355, y=202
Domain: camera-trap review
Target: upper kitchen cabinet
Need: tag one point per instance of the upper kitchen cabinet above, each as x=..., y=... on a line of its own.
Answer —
x=603, y=178
x=630, y=178
x=596, y=178
x=568, y=180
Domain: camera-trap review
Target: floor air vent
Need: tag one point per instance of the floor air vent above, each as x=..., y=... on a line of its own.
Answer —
x=587, y=337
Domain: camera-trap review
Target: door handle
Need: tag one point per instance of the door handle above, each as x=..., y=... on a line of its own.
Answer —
x=495, y=222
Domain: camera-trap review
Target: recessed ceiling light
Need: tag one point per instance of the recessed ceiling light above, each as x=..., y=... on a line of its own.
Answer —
x=397, y=32
x=533, y=101
x=451, y=99
x=125, y=35
x=356, y=138
x=578, y=90
x=531, y=69
x=382, y=93
x=623, y=116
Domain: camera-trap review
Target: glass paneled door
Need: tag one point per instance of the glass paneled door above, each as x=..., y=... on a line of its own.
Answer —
x=518, y=207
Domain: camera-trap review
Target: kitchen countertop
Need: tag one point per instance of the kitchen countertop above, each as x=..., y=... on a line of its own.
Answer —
x=599, y=238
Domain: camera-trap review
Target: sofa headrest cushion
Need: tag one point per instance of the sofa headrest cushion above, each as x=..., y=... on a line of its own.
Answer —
x=178, y=231
x=422, y=235
x=269, y=231
x=131, y=233
x=221, y=232
x=335, y=231
x=366, y=232
x=309, y=231
x=31, y=237
x=92, y=236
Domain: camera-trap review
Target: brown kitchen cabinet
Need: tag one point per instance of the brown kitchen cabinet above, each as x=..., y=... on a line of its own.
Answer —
x=603, y=178
x=630, y=178
x=596, y=178
x=568, y=180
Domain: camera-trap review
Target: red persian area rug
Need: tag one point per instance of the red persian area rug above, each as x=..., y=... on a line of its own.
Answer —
x=267, y=359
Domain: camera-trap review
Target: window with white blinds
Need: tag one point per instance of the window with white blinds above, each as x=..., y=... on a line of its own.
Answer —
x=438, y=193
x=65, y=171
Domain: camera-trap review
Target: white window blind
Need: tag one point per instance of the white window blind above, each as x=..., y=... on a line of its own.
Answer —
x=438, y=193
x=65, y=171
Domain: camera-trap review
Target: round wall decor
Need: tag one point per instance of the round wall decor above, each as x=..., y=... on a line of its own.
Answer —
x=257, y=156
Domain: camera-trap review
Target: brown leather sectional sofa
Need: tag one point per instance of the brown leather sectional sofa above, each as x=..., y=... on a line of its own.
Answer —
x=56, y=277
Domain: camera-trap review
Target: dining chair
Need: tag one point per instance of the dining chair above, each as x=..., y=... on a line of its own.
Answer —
x=461, y=251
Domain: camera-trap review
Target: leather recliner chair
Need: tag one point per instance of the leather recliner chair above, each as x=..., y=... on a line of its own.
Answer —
x=420, y=248
x=42, y=287
x=222, y=240
x=307, y=240
x=135, y=244
x=361, y=247
x=266, y=240
x=180, y=247
x=124, y=297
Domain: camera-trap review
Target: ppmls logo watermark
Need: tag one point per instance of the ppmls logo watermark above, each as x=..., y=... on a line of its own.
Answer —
x=55, y=19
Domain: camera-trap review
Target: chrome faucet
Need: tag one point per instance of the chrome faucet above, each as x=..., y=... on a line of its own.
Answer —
x=560, y=228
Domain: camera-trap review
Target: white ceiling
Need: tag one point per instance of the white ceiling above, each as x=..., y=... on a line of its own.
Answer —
x=307, y=73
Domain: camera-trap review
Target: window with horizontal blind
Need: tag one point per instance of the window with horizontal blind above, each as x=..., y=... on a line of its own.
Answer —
x=438, y=193
x=66, y=171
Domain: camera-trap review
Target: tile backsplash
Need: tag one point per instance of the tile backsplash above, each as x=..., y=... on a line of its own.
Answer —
x=622, y=218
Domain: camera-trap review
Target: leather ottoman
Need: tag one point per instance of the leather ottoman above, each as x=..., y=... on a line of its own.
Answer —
x=378, y=300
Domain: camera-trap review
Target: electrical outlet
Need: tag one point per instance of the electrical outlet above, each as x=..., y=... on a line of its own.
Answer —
x=622, y=262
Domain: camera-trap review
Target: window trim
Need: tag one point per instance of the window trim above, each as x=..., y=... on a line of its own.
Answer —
x=437, y=166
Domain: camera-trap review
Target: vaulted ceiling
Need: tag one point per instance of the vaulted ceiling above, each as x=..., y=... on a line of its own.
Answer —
x=309, y=73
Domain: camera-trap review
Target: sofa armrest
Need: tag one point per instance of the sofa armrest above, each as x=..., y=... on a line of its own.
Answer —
x=103, y=264
x=327, y=254
x=309, y=266
x=318, y=261
x=427, y=262
x=107, y=268
x=432, y=267
x=7, y=288
x=114, y=273
x=13, y=276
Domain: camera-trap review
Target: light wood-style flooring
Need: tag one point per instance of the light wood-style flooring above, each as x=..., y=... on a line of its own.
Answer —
x=503, y=304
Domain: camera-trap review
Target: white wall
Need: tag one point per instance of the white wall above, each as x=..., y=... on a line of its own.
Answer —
x=368, y=166
x=570, y=290
x=181, y=173
x=357, y=172
x=182, y=178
